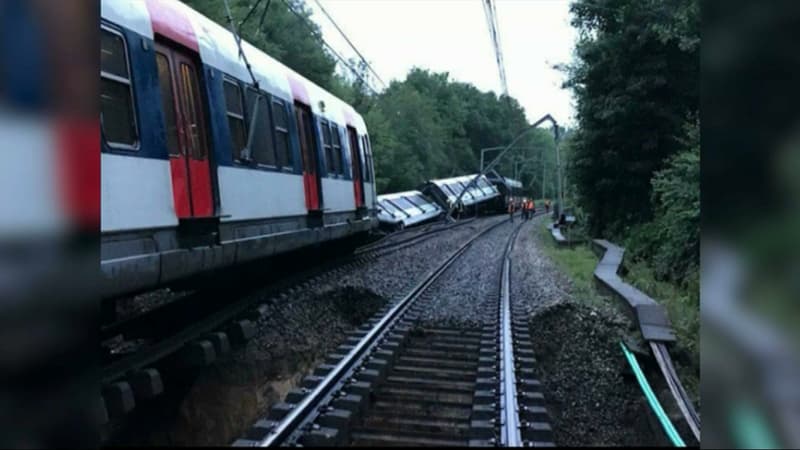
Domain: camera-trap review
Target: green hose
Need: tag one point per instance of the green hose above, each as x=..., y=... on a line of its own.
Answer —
x=750, y=427
x=651, y=398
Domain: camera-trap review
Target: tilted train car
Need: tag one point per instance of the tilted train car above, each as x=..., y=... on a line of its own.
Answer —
x=509, y=189
x=404, y=209
x=181, y=195
x=445, y=191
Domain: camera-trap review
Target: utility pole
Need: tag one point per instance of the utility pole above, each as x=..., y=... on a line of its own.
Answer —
x=545, y=118
x=558, y=173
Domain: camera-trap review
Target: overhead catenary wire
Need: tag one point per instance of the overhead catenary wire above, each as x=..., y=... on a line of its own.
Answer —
x=350, y=43
x=322, y=40
x=491, y=21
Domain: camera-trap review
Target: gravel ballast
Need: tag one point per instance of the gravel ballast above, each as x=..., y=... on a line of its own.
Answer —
x=591, y=399
x=214, y=406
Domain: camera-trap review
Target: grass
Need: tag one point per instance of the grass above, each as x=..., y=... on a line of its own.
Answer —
x=579, y=262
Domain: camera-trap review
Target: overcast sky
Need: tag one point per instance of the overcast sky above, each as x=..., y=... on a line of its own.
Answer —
x=452, y=36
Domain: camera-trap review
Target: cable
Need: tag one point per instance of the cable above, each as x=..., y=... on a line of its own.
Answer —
x=652, y=400
x=263, y=16
x=491, y=20
x=348, y=41
x=249, y=13
x=325, y=43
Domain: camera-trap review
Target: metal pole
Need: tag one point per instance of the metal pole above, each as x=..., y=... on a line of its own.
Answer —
x=558, y=173
x=484, y=150
x=544, y=173
x=547, y=117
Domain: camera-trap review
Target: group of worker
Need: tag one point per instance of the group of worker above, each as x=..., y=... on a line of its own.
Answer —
x=526, y=206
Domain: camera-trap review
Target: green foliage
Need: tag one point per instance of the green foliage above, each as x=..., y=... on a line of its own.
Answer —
x=671, y=241
x=426, y=126
x=636, y=84
x=283, y=36
x=578, y=263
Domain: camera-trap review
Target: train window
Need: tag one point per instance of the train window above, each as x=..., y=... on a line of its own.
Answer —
x=263, y=151
x=235, y=113
x=192, y=111
x=168, y=103
x=367, y=168
x=403, y=203
x=116, y=95
x=326, y=146
x=424, y=204
x=336, y=144
x=391, y=208
x=368, y=152
x=281, y=119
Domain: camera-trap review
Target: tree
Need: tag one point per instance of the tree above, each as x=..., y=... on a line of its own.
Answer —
x=636, y=83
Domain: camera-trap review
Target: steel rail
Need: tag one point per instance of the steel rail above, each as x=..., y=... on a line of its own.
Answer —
x=307, y=409
x=510, y=435
x=676, y=387
x=422, y=233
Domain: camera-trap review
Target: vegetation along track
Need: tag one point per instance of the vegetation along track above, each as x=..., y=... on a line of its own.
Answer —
x=396, y=381
x=198, y=327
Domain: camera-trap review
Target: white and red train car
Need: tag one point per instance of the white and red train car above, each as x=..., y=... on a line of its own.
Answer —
x=180, y=193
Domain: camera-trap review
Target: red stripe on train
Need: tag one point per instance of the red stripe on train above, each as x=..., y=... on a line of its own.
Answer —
x=78, y=171
x=169, y=21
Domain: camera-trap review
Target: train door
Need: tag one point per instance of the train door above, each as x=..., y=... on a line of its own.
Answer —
x=186, y=133
x=355, y=156
x=308, y=150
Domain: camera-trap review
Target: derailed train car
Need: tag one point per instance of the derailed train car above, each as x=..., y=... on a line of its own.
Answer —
x=445, y=191
x=510, y=190
x=404, y=209
x=181, y=194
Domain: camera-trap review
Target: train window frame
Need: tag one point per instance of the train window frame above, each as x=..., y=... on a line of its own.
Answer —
x=391, y=201
x=327, y=148
x=336, y=145
x=290, y=163
x=228, y=114
x=269, y=122
x=129, y=82
x=368, y=152
x=382, y=206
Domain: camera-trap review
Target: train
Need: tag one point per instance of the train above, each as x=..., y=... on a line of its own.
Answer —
x=204, y=169
x=399, y=210
x=510, y=191
x=182, y=194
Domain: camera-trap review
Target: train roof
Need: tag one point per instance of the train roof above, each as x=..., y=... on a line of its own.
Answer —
x=217, y=48
x=399, y=194
x=463, y=179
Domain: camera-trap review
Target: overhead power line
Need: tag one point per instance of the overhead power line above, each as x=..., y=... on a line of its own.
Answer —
x=491, y=20
x=350, y=43
x=322, y=40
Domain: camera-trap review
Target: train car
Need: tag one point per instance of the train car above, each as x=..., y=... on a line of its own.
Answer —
x=181, y=194
x=510, y=190
x=445, y=191
x=405, y=209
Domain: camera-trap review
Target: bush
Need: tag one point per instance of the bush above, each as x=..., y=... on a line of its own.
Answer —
x=670, y=243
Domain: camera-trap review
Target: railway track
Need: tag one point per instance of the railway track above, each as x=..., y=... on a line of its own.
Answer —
x=398, y=381
x=199, y=327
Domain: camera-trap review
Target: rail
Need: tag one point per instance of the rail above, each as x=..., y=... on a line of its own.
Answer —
x=307, y=410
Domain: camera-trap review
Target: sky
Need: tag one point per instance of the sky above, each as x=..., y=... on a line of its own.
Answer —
x=452, y=36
